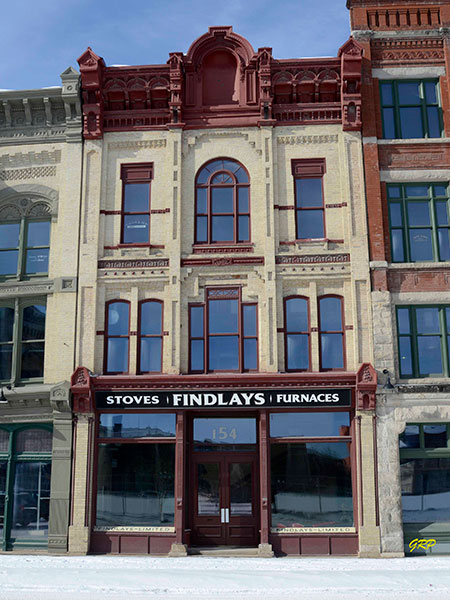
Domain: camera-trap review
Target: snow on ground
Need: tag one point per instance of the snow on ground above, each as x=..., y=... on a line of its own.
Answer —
x=24, y=577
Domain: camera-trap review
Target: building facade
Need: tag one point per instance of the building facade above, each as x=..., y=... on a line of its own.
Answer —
x=40, y=178
x=225, y=394
x=406, y=129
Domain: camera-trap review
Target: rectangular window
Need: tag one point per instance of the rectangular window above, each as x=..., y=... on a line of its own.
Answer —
x=423, y=340
x=311, y=485
x=331, y=333
x=223, y=333
x=150, y=334
x=419, y=222
x=136, y=184
x=411, y=109
x=136, y=484
x=22, y=340
x=24, y=248
x=309, y=202
x=117, y=336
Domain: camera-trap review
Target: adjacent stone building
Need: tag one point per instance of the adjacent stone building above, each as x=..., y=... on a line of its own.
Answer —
x=225, y=394
x=40, y=178
x=406, y=136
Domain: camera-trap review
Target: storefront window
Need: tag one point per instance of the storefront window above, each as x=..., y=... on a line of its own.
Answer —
x=135, y=484
x=25, y=472
x=311, y=485
x=309, y=424
x=426, y=490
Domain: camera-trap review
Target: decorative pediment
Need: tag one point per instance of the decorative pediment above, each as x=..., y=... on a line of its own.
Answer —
x=351, y=47
x=89, y=61
x=220, y=38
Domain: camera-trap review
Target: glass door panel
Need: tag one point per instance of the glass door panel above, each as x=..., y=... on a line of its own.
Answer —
x=3, y=466
x=208, y=497
x=31, y=501
x=241, y=488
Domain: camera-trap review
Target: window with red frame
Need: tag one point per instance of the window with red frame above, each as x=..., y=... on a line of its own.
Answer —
x=223, y=333
x=297, y=333
x=150, y=336
x=136, y=184
x=331, y=333
x=309, y=200
x=117, y=336
x=222, y=204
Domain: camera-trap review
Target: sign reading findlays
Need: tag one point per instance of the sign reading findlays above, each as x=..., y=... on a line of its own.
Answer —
x=319, y=398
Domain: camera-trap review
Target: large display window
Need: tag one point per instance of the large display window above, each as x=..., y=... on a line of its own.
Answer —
x=136, y=470
x=311, y=478
x=25, y=472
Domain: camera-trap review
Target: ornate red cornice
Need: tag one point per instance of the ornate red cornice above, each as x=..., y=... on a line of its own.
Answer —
x=266, y=91
x=364, y=382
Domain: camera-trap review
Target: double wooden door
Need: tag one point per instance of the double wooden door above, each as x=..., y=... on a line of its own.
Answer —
x=225, y=502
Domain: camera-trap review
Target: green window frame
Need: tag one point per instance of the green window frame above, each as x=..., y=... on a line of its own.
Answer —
x=24, y=248
x=419, y=222
x=22, y=340
x=14, y=459
x=411, y=108
x=423, y=340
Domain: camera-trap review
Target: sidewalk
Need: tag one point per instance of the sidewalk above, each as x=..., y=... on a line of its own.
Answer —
x=199, y=578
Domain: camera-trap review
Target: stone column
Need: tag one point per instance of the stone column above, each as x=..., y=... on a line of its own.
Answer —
x=79, y=530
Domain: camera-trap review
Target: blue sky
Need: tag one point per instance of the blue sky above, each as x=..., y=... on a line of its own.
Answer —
x=40, y=38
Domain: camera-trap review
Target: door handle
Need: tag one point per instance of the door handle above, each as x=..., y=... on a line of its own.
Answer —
x=227, y=515
x=222, y=515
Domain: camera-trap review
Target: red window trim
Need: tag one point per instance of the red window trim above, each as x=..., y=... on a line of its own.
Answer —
x=135, y=173
x=107, y=336
x=311, y=168
x=341, y=331
x=286, y=332
x=140, y=335
x=240, y=333
x=236, y=214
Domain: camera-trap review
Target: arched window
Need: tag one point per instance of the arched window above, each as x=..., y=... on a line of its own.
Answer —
x=332, y=333
x=222, y=204
x=117, y=336
x=150, y=336
x=297, y=330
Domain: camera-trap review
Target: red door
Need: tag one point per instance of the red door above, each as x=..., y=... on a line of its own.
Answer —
x=225, y=503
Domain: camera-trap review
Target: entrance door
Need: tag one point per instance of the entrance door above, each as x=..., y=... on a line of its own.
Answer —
x=225, y=499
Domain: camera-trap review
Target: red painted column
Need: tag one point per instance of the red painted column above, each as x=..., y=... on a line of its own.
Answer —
x=179, y=548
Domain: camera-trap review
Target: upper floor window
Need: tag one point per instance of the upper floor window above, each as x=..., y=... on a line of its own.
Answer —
x=423, y=340
x=117, y=336
x=223, y=333
x=297, y=334
x=22, y=340
x=222, y=205
x=331, y=333
x=150, y=334
x=309, y=202
x=419, y=222
x=136, y=184
x=24, y=247
x=411, y=109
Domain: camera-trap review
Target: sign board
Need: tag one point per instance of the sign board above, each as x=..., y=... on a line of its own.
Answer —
x=292, y=398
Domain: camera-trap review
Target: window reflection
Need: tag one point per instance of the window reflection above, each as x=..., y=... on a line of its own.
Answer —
x=136, y=425
x=425, y=490
x=309, y=424
x=136, y=484
x=311, y=485
x=31, y=501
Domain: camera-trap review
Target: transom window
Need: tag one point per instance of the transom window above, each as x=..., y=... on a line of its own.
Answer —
x=309, y=201
x=419, y=222
x=411, y=109
x=24, y=247
x=423, y=340
x=222, y=203
x=223, y=333
x=22, y=340
x=136, y=183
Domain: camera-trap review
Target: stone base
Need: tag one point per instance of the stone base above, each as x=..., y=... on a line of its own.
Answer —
x=392, y=555
x=178, y=550
x=78, y=540
x=57, y=543
x=265, y=551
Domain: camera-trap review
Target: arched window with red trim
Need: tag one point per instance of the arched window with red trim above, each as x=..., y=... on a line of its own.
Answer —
x=150, y=342
x=297, y=333
x=117, y=336
x=331, y=333
x=222, y=203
